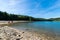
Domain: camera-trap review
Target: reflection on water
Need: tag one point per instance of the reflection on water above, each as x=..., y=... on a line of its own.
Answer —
x=53, y=27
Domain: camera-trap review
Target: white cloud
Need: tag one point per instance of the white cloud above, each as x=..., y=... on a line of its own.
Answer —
x=12, y=6
x=19, y=6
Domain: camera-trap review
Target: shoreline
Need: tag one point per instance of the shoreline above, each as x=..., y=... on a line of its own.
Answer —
x=32, y=33
x=14, y=34
x=5, y=23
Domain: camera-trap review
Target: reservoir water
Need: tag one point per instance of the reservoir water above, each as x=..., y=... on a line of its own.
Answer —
x=46, y=26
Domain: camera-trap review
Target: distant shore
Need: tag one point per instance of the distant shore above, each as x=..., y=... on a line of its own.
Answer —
x=2, y=23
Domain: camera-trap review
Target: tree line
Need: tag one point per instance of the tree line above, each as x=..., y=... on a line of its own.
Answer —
x=7, y=16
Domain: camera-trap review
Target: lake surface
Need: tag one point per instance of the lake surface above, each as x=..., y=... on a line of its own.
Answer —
x=46, y=26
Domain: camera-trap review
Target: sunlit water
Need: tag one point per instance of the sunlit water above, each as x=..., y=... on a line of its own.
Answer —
x=53, y=27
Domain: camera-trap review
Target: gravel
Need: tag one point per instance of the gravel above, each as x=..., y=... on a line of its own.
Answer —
x=8, y=33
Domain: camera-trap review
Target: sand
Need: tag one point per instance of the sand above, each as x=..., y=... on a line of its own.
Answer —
x=9, y=33
x=6, y=23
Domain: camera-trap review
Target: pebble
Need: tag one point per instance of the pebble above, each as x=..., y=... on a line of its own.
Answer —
x=8, y=33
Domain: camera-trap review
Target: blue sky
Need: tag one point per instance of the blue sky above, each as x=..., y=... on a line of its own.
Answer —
x=35, y=8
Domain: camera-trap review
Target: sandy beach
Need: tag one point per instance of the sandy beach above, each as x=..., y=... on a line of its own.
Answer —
x=8, y=33
x=5, y=23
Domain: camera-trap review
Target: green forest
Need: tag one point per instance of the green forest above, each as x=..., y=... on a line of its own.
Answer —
x=6, y=16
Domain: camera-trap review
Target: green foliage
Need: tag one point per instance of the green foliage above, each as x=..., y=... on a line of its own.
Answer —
x=55, y=19
x=6, y=16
